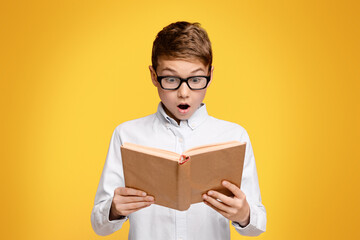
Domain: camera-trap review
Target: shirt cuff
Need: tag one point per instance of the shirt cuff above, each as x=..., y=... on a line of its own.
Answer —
x=107, y=207
x=250, y=229
x=100, y=219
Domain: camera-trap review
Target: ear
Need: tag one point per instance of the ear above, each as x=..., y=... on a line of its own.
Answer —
x=211, y=75
x=153, y=76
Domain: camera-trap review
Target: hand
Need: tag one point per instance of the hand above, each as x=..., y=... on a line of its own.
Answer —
x=128, y=200
x=235, y=209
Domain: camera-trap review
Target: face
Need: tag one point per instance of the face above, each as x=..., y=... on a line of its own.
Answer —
x=180, y=104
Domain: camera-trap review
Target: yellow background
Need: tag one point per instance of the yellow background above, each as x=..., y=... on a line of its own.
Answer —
x=287, y=71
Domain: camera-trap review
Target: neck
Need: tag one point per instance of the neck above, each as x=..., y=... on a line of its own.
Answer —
x=170, y=114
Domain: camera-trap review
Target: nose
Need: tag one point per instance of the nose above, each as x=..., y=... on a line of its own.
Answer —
x=184, y=90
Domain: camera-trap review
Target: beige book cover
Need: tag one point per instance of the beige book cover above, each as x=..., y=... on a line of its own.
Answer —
x=177, y=181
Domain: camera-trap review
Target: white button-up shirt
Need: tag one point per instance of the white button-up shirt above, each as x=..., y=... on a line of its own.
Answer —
x=157, y=222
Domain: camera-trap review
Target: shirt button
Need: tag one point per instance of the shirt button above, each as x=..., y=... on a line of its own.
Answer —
x=180, y=239
x=180, y=140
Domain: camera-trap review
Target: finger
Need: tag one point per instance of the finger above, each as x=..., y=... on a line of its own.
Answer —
x=124, y=191
x=225, y=214
x=233, y=188
x=216, y=203
x=126, y=213
x=132, y=206
x=126, y=199
x=225, y=199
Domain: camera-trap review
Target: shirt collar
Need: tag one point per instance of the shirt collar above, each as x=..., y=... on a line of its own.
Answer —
x=194, y=121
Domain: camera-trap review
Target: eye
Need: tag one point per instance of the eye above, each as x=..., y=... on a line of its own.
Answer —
x=171, y=79
x=196, y=80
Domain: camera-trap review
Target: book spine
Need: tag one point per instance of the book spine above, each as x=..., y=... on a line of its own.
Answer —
x=184, y=186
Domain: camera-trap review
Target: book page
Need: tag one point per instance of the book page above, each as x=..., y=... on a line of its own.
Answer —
x=211, y=147
x=153, y=151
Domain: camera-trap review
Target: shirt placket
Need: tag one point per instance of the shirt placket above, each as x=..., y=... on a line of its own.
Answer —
x=180, y=216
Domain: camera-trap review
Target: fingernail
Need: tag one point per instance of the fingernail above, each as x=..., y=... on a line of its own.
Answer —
x=225, y=183
x=151, y=198
x=144, y=194
x=204, y=196
x=210, y=192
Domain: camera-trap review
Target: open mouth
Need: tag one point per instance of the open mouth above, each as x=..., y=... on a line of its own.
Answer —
x=183, y=106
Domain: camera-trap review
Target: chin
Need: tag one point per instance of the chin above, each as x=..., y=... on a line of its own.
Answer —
x=183, y=118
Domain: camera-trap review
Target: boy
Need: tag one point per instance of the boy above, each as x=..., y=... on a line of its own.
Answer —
x=181, y=71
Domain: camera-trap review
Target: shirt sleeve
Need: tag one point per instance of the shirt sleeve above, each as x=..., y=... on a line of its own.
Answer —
x=111, y=178
x=251, y=189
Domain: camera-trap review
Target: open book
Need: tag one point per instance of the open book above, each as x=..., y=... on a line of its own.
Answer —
x=177, y=181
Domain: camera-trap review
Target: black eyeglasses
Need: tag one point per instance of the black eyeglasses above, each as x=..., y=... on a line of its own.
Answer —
x=193, y=82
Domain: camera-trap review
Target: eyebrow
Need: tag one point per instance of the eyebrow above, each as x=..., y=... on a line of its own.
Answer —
x=174, y=71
